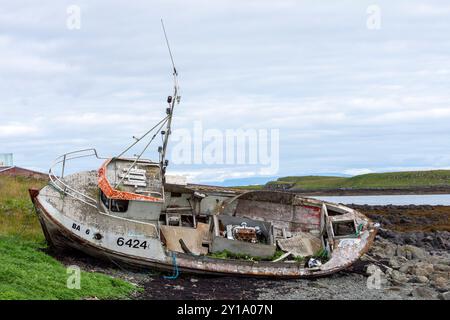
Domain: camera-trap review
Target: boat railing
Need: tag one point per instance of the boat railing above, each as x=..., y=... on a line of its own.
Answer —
x=61, y=185
x=58, y=182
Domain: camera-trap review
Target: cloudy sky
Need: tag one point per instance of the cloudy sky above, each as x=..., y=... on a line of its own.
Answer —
x=348, y=96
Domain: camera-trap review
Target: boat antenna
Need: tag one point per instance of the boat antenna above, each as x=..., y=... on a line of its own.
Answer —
x=171, y=101
x=168, y=47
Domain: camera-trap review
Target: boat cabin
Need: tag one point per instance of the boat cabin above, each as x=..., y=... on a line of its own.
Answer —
x=131, y=189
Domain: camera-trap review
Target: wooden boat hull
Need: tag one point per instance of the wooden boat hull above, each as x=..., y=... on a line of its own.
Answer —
x=59, y=235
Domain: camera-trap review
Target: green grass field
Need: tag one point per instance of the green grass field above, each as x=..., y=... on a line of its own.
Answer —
x=407, y=179
x=26, y=271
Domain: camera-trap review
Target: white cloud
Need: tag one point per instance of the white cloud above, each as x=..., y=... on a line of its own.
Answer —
x=344, y=98
x=355, y=172
x=15, y=130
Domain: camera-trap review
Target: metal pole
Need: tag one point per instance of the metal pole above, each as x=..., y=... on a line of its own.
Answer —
x=64, y=166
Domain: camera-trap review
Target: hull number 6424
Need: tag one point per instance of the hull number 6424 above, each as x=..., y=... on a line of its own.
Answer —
x=136, y=244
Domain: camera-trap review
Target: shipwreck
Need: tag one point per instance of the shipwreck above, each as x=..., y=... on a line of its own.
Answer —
x=130, y=212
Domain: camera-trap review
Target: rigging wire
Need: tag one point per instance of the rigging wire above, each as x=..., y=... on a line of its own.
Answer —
x=140, y=155
x=168, y=47
x=146, y=134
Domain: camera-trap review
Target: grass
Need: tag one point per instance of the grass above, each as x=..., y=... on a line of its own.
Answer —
x=311, y=182
x=26, y=271
x=17, y=217
x=225, y=254
x=397, y=180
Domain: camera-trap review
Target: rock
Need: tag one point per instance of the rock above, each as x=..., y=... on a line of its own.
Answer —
x=444, y=296
x=401, y=252
x=441, y=283
x=437, y=275
x=420, y=272
x=442, y=267
x=398, y=276
x=421, y=279
x=386, y=234
x=372, y=269
x=397, y=262
x=422, y=269
x=423, y=293
x=384, y=250
x=411, y=252
x=394, y=264
x=406, y=267
x=416, y=253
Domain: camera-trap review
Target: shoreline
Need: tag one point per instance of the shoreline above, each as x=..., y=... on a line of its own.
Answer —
x=372, y=192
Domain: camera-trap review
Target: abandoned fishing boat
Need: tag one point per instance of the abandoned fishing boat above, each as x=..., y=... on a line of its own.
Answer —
x=133, y=214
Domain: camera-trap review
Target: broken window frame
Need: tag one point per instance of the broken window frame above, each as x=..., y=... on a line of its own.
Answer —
x=350, y=235
x=114, y=205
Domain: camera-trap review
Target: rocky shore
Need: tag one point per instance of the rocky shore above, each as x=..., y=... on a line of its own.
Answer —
x=410, y=259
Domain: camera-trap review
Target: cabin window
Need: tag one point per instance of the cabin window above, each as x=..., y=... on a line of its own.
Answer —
x=175, y=194
x=113, y=204
x=104, y=199
x=332, y=213
x=344, y=228
x=119, y=205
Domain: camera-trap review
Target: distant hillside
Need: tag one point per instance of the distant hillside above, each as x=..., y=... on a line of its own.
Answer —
x=388, y=180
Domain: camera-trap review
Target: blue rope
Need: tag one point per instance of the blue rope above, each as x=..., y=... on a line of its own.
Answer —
x=175, y=265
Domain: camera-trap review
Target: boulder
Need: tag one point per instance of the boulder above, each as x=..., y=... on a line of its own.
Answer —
x=406, y=267
x=384, y=250
x=411, y=252
x=423, y=293
x=444, y=295
x=398, y=276
x=441, y=283
x=393, y=263
x=372, y=269
x=442, y=267
x=416, y=252
x=422, y=269
x=397, y=262
x=402, y=252
x=421, y=279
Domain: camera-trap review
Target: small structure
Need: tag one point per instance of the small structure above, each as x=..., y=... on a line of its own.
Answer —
x=6, y=160
x=14, y=171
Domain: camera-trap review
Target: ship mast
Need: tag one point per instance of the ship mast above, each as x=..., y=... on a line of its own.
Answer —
x=171, y=100
x=167, y=121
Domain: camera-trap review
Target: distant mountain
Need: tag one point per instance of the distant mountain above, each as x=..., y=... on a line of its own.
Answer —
x=261, y=180
x=404, y=179
x=338, y=181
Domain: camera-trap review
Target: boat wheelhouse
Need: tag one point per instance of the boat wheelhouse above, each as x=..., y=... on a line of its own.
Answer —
x=132, y=189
